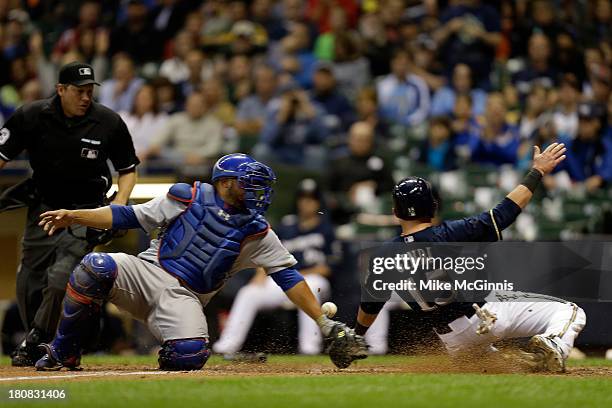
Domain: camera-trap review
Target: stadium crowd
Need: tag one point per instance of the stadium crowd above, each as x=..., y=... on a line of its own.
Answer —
x=346, y=90
x=303, y=82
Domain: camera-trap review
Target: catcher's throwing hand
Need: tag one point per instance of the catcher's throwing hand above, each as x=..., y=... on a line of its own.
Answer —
x=547, y=160
x=343, y=345
x=51, y=221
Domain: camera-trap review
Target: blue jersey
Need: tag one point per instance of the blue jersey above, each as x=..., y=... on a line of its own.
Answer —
x=484, y=227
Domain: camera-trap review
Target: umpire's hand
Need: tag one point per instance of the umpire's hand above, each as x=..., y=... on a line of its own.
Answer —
x=547, y=160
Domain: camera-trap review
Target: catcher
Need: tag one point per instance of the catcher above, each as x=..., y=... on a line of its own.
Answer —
x=551, y=324
x=208, y=233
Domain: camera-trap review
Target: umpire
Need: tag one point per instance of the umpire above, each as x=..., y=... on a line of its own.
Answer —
x=69, y=139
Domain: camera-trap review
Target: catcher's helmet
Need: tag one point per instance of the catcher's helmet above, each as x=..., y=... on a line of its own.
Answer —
x=255, y=178
x=413, y=198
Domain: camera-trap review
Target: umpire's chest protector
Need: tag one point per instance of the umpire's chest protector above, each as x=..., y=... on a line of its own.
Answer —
x=200, y=246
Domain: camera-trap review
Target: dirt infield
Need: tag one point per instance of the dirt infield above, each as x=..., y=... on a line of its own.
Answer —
x=222, y=370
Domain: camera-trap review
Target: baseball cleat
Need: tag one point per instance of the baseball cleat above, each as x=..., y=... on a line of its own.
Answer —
x=50, y=362
x=24, y=356
x=547, y=348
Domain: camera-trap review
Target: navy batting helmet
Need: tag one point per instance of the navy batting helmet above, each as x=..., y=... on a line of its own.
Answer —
x=413, y=198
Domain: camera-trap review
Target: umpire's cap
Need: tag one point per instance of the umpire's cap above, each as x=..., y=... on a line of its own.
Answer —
x=77, y=73
x=414, y=198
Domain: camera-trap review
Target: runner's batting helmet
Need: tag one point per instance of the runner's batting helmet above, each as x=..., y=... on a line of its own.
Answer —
x=413, y=198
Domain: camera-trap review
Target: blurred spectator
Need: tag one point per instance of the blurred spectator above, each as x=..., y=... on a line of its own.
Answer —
x=438, y=150
x=293, y=132
x=541, y=17
x=565, y=117
x=262, y=13
x=238, y=78
x=9, y=93
x=495, y=141
x=215, y=99
x=324, y=47
x=190, y=138
x=136, y=35
x=351, y=68
x=118, y=92
x=15, y=41
x=538, y=69
x=145, y=119
x=403, y=97
x=589, y=155
x=469, y=34
x=423, y=51
x=321, y=12
x=601, y=27
x=568, y=58
x=198, y=71
x=444, y=99
x=378, y=49
x=246, y=38
x=168, y=17
x=293, y=55
x=463, y=121
x=513, y=104
x=291, y=12
x=31, y=91
x=167, y=95
x=310, y=237
x=356, y=179
x=339, y=114
x=175, y=68
x=252, y=110
x=89, y=19
x=367, y=111
x=534, y=113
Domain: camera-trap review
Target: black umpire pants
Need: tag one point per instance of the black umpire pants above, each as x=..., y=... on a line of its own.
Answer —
x=45, y=268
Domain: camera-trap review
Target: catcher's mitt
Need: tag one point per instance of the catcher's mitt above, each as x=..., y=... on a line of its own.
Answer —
x=344, y=346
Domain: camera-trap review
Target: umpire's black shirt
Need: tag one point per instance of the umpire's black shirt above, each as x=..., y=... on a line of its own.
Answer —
x=69, y=155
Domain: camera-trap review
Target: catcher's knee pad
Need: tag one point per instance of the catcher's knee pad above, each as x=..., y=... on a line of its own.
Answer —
x=184, y=354
x=94, y=277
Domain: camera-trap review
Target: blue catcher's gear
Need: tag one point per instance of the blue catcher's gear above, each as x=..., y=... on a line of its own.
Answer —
x=89, y=285
x=200, y=246
x=227, y=166
x=183, y=354
x=413, y=198
x=255, y=178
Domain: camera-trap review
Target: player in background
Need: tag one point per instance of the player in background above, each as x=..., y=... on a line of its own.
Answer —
x=551, y=325
x=208, y=233
x=309, y=236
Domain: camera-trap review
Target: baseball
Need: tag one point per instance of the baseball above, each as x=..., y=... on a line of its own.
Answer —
x=329, y=308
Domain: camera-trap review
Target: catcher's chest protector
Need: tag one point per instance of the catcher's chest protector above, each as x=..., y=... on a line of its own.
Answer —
x=200, y=246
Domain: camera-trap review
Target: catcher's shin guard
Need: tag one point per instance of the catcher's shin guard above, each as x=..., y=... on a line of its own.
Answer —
x=88, y=287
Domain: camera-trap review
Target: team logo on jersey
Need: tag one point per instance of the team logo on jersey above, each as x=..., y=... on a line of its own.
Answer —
x=4, y=135
x=85, y=71
x=224, y=215
x=89, y=153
